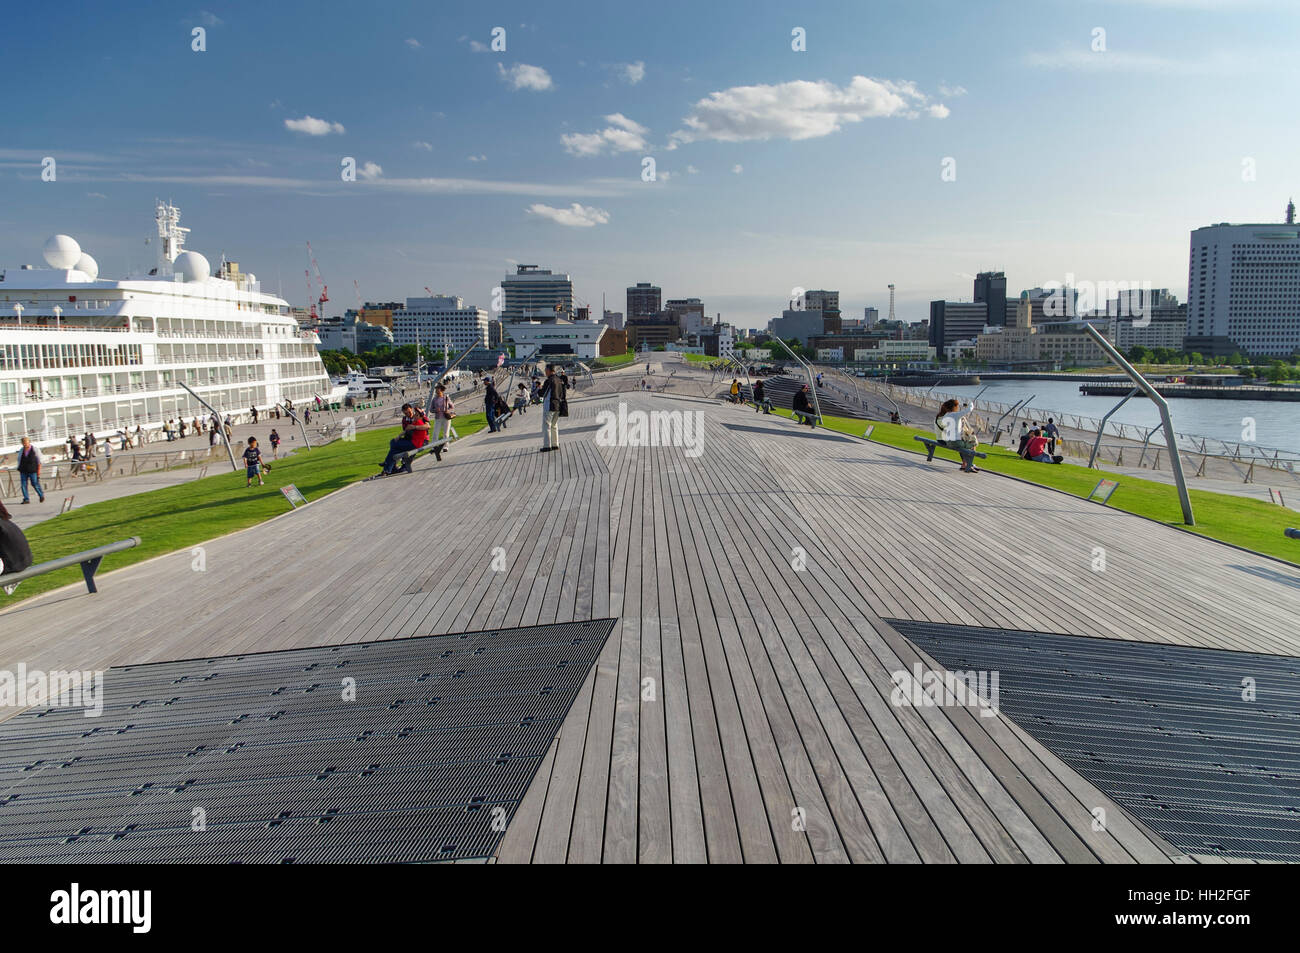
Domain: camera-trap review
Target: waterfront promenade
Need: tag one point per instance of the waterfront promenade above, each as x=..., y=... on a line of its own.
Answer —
x=769, y=685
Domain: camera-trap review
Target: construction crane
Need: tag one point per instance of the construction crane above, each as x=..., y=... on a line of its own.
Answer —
x=324, y=290
x=361, y=308
x=428, y=290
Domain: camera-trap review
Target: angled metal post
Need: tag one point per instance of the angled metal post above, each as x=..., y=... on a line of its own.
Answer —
x=1101, y=428
x=216, y=416
x=812, y=383
x=1171, y=440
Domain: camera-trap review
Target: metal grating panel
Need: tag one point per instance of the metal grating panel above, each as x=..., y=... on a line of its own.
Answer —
x=1163, y=730
x=443, y=730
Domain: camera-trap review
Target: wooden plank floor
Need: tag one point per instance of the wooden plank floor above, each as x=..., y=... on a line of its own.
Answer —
x=741, y=708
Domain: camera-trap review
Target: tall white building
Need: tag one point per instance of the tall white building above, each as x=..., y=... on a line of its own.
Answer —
x=533, y=294
x=1243, y=289
x=440, y=320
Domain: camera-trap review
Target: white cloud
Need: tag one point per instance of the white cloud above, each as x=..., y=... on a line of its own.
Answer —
x=523, y=76
x=577, y=216
x=426, y=146
x=800, y=109
x=621, y=135
x=632, y=73
x=477, y=158
x=477, y=47
x=96, y=195
x=946, y=90
x=371, y=171
x=691, y=170
x=737, y=169
x=313, y=126
x=413, y=43
x=210, y=19
x=937, y=111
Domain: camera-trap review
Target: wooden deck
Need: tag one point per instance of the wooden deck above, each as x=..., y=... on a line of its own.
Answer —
x=739, y=699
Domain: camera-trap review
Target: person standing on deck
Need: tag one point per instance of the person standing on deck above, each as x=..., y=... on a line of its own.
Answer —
x=490, y=400
x=275, y=443
x=1024, y=437
x=443, y=411
x=253, y=463
x=951, y=427
x=29, y=469
x=554, y=406
x=1052, y=434
x=253, y=410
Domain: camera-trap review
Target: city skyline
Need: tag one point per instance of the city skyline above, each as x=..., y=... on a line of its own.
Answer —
x=888, y=150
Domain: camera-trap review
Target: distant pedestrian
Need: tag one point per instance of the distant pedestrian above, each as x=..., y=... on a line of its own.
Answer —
x=491, y=402
x=275, y=444
x=252, y=410
x=760, y=398
x=802, y=407
x=306, y=415
x=554, y=406
x=443, y=412
x=181, y=425
x=29, y=469
x=1024, y=437
x=108, y=456
x=253, y=463
x=521, y=399
x=1052, y=434
x=90, y=444
x=735, y=390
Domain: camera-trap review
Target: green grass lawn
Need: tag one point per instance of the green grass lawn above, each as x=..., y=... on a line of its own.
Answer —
x=182, y=516
x=699, y=358
x=1251, y=524
x=615, y=360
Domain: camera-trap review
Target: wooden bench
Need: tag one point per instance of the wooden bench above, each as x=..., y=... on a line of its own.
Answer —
x=402, y=463
x=765, y=407
x=89, y=562
x=932, y=445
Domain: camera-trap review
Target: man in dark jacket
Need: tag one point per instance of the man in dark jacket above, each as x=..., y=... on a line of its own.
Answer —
x=29, y=470
x=15, y=554
x=491, y=400
x=760, y=398
x=555, y=405
x=801, y=405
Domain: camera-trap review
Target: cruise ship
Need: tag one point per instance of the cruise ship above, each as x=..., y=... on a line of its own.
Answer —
x=84, y=354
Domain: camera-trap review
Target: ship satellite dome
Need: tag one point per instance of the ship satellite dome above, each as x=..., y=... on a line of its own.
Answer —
x=88, y=266
x=62, y=252
x=192, y=266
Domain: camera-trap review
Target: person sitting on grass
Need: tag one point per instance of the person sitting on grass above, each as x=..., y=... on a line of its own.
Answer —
x=1036, y=448
x=253, y=463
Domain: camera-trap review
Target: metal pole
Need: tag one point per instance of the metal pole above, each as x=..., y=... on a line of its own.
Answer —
x=1171, y=441
x=230, y=453
x=1101, y=429
x=294, y=417
x=812, y=383
x=447, y=369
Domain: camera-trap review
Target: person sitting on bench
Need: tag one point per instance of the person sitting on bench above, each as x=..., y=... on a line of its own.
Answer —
x=15, y=553
x=415, y=432
x=760, y=399
x=735, y=391
x=955, y=433
x=801, y=406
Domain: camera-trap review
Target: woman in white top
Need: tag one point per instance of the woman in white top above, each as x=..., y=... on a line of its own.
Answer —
x=951, y=427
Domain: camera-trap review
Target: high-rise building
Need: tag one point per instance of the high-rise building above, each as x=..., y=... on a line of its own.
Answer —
x=991, y=288
x=536, y=294
x=643, y=300
x=828, y=303
x=952, y=321
x=870, y=317
x=440, y=320
x=1243, y=290
x=614, y=319
x=688, y=313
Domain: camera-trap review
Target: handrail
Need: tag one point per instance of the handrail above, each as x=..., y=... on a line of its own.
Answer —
x=812, y=383
x=1171, y=440
x=1092, y=460
x=88, y=560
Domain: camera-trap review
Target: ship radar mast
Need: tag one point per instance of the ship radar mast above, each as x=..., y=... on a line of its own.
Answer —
x=170, y=234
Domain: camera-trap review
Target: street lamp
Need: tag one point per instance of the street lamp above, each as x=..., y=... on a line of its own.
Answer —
x=57, y=312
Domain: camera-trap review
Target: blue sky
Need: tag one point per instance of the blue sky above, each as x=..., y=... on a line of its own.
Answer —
x=775, y=168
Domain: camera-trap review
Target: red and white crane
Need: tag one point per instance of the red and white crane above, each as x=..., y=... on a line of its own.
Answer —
x=324, y=290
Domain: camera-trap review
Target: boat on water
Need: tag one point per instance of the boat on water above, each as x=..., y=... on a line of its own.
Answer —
x=81, y=353
x=358, y=384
